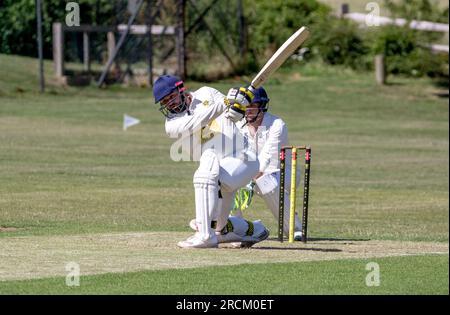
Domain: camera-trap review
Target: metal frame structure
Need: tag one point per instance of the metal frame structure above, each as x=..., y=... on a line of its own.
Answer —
x=154, y=8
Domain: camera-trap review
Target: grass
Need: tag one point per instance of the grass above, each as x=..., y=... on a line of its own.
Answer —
x=399, y=275
x=379, y=168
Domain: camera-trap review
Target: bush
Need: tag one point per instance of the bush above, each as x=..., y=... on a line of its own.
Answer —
x=405, y=49
x=406, y=53
x=271, y=22
x=334, y=41
x=399, y=48
x=340, y=42
x=417, y=10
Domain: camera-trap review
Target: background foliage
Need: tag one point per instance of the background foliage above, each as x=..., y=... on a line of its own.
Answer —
x=18, y=22
x=334, y=41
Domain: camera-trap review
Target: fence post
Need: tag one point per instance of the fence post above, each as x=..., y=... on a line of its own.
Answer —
x=111, y=43
x=40, y=46
x=86, y=57
x=380, y=69
x=242, y=31
x=180, y=39
x=149, y=22
x=58, y=48
x=345, y=8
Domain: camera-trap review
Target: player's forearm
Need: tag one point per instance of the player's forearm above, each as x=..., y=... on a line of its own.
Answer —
x=269, y=150
x=190, y=123
x=264, y=161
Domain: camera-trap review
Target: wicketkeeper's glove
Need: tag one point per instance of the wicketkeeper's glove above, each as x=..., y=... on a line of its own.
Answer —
x=244, y=197
x=237, y=101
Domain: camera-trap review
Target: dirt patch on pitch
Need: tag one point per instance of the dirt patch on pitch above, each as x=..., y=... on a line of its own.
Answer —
x=47, y=256
x=8, y=229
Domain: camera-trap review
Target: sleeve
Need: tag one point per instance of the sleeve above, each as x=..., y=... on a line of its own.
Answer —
x=277, y=137
x=200, y=117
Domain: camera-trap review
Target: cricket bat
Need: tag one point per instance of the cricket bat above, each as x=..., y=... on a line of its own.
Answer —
x=280, y=56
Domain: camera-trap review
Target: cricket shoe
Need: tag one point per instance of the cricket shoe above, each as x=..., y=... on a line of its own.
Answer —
x=298, y=236
x=193, y=225
x=249, y=241
x=195, y=241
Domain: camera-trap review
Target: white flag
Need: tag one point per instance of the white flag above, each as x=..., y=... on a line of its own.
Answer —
x=129, y=121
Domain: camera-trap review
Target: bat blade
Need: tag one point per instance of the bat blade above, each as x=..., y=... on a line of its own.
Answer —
x=280, y=56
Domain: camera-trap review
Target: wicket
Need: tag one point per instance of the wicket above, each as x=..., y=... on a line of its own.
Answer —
x=293, y=195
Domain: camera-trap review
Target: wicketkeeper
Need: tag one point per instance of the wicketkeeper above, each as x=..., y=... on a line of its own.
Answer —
x=267, y=134
x=206, y=119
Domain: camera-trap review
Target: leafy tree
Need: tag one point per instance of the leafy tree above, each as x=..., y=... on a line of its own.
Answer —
x=18, y=22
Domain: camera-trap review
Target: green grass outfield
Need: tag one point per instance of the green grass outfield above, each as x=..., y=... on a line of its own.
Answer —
x=379, y=168
x=399, y=275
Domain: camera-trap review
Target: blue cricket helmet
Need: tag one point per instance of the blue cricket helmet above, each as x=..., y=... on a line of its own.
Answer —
x=165, y=85
x=261, y=97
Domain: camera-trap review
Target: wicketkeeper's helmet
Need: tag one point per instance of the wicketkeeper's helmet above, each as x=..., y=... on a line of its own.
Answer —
x=261, y=98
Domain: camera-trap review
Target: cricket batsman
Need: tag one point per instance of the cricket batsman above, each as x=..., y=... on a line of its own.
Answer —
x=206, y=119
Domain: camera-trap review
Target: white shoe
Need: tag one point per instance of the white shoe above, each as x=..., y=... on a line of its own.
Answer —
x=196, y=241
x=298, y=236
x=249, y=241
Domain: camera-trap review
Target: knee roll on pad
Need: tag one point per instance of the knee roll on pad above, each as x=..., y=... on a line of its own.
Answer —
x=208, y=170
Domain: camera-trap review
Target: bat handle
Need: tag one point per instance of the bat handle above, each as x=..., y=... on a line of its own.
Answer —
x=251, y=88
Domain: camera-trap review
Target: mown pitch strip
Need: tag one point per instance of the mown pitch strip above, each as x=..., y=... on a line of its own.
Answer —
x=32, y=257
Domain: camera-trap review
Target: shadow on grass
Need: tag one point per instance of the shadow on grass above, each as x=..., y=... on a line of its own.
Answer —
x=441, y=94
x=298, y=249
x=441, y=83
x=331, y=239
x=394, y=83
x=312, y=239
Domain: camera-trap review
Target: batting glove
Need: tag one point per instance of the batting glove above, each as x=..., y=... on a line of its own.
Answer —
x=237, y=101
